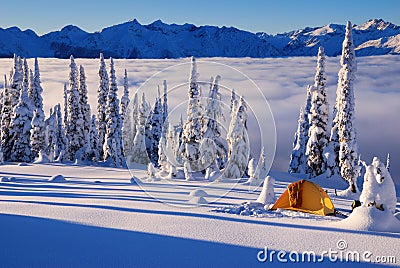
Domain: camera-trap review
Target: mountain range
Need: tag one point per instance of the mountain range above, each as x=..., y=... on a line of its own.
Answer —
x=160, y=40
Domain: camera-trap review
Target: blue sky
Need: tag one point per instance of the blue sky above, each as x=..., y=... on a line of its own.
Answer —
x=270, y=16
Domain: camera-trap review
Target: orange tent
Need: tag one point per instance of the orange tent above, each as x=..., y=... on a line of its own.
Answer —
x=307, y=197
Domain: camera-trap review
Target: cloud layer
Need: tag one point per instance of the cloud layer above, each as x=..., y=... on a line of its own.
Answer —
x=282, y=81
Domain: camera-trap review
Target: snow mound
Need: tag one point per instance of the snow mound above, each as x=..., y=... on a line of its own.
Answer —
x=267, y=195
x=153, y=179
x=134, y=180
x=397, y=215
x=198, y=193
x=348, y=194
x=198, y=200
x=246, y=209
x=366, y=218
x=42, y=158
x=57, y=178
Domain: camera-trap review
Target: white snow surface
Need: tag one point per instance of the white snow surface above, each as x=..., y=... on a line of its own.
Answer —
x=116, y=223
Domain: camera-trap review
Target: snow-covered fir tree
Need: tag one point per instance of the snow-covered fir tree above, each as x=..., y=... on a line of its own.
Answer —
x=212, y=129
x=233, y=101
x=134, y=114
x=94, y=141
x=6, y=114
x=143, y=111
x=178, y=132
x=61, y=140
x=113, y=145
x=192, y=130
x=25, y=75
x=298, y=159
x=156, y=131
x=261, y=170
x=125, y=97
x=74, y=127
x=65, y=104
x=318, y=120
x=348, y=153
x=51, y=135
x=102, y=93
x=85, y=113
x=37, y=133
x=21, y=128
x=378, y=187
x=388, y=162
x=35, y=95
x=162, y=162
x=139, y=152
x=83, y=100
x=252, y=167
x=238, y=142
x=16, y=81
x=165, y=108
x=128, y=126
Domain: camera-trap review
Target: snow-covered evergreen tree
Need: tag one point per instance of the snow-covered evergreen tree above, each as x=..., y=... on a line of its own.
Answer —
x=51, y=135
x=192, y=130
x=178, y=132
x=252, y=167
x=6, y=114
x=388, y=162
x=83, y=100
x=65, y=104
x=37, y=133
x=233, y=101
x=162, y=155
x=74, y=127
x=143, y=111
x=21, y=128
x=165, y=108
x=125, y=96
x=261, y=170
x=25, y=75
x=139, y=152
x=102, y=93
x=61, y=140
x=378, y=187
x=94, y=141
x=151, y=171
x=85, y=113
x=318, y=119
x=128, y=127
x=298, y=159
x=156, y=131
x=212, y=129
x=348, y=153
x=35, y=95
x=16, y=80
x=238, y=142
x=113, y=145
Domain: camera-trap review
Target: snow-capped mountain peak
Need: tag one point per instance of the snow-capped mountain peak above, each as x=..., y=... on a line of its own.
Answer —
x=161, y=40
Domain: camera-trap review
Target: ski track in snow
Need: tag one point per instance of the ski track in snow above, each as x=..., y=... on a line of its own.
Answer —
x=97, y=218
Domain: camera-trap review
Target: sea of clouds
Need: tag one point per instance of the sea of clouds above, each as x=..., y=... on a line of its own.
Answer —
x=282, y=81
